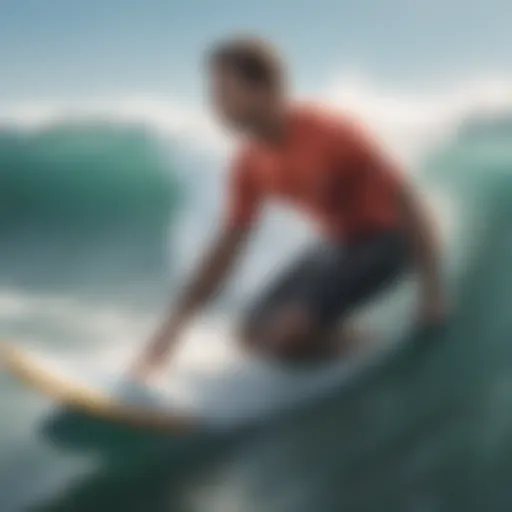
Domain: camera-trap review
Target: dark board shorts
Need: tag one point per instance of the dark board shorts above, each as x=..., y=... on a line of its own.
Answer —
x=330, y=279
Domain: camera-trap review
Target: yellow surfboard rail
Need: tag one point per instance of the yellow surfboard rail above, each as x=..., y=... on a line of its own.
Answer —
x=23, y=365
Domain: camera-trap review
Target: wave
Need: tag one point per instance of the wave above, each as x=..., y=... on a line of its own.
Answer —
x=85, y=203
x=84, y=175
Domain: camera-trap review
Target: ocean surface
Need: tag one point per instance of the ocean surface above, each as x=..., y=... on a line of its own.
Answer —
x=100, y=220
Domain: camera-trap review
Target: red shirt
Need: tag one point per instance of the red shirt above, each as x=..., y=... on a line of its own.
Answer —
x=327, y=167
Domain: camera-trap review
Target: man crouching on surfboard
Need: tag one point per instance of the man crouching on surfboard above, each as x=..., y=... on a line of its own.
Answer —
x=327, y=167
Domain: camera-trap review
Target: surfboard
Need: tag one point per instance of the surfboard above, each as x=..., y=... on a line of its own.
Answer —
x=210, y=383
x=229, y=394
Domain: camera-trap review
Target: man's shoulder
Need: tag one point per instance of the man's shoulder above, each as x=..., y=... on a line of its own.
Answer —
x=245, y=157
x=340, y=130
x=246, y=149
x=323, y=118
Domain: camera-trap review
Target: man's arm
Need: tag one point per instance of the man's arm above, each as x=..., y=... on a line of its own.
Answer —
x=242, y=207
x=425, y=244
x=214, y=267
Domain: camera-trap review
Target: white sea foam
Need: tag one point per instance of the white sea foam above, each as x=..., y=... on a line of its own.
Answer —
x=409, y=121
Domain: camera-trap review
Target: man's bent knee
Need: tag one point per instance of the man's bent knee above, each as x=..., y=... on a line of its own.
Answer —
x=290, y=332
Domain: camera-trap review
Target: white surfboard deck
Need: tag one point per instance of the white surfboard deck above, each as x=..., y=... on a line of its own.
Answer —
x=226, y=395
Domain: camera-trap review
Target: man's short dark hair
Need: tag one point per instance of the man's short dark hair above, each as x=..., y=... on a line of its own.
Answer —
x=255, y=60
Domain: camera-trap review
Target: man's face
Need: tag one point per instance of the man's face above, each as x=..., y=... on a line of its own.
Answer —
x=234, y=101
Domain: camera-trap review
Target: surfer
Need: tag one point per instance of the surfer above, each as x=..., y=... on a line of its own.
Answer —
x=327, y=166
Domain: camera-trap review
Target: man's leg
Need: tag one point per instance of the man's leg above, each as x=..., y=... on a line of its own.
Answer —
x=279, y=322
x=305, y=308
x=285, y=322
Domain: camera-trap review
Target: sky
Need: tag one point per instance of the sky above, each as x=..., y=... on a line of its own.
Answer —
x=77, y=49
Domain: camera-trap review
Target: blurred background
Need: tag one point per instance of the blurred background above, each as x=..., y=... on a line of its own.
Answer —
x=111, y=172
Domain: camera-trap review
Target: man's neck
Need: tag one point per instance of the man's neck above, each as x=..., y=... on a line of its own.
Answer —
x=271, y=127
